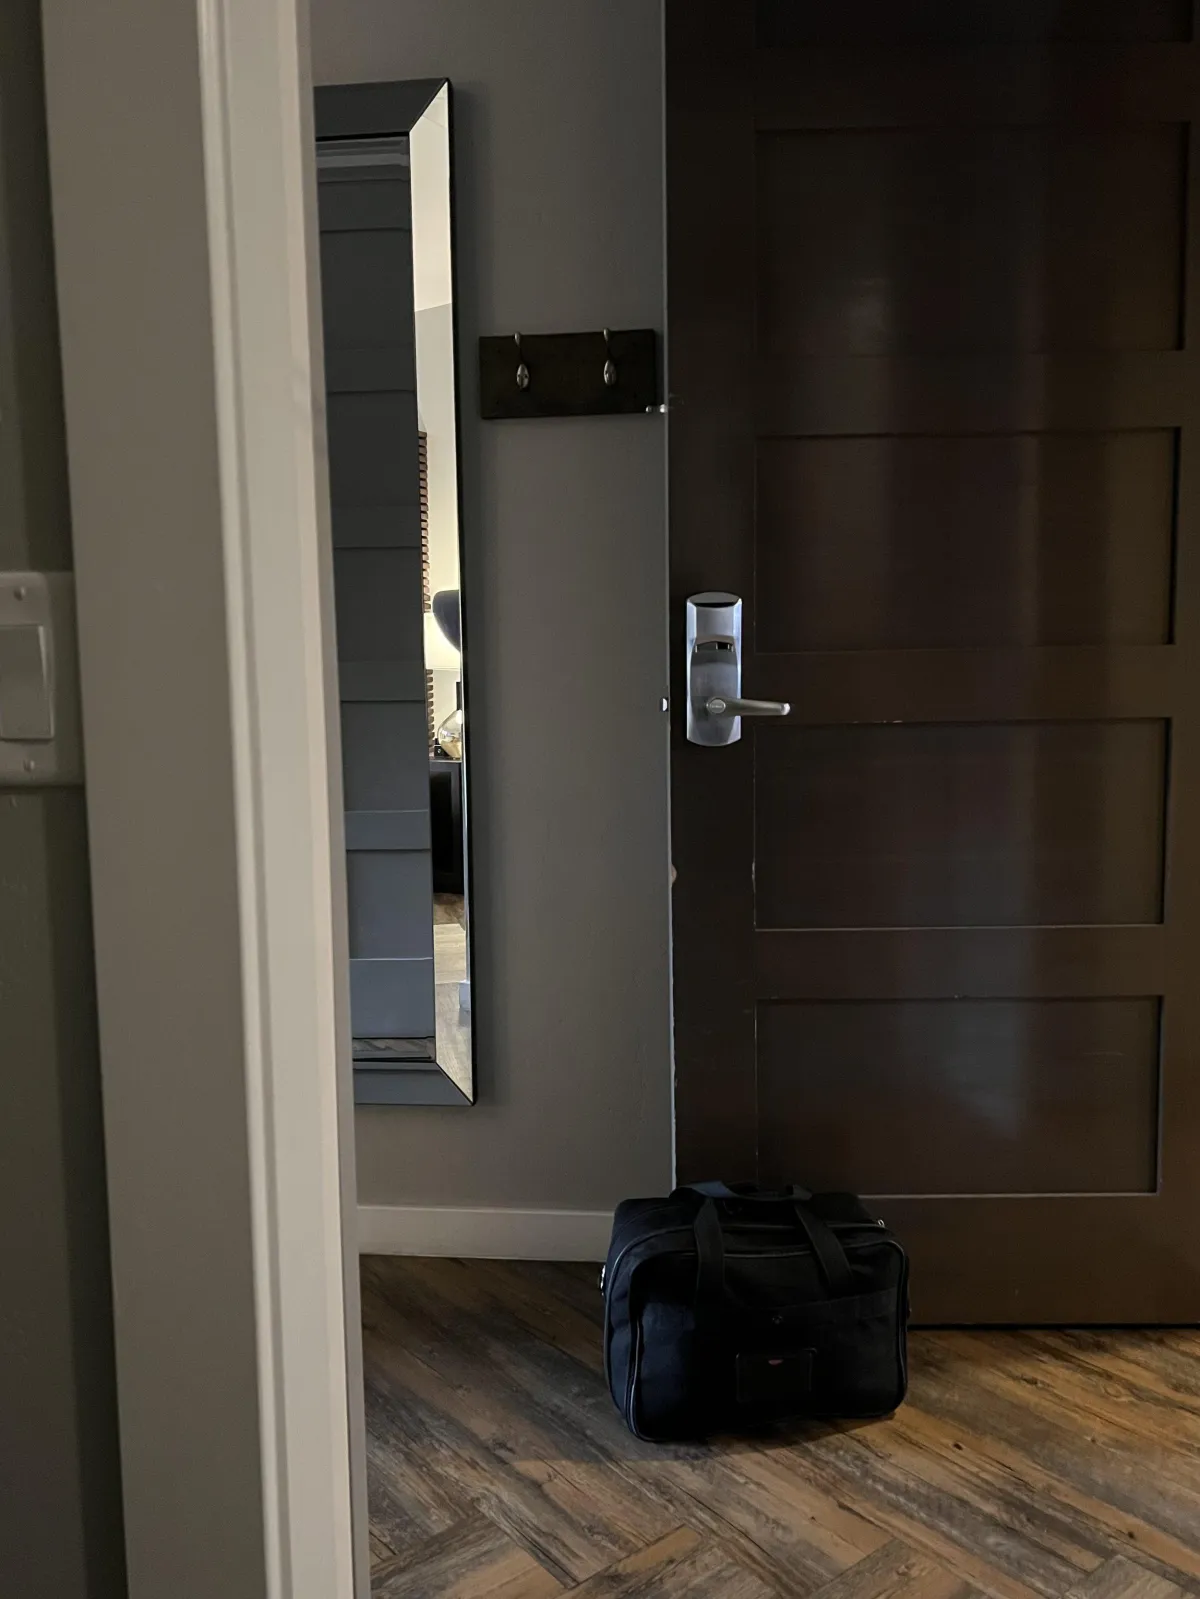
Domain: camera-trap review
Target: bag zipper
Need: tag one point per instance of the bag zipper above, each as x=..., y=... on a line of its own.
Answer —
x=656, y=1210
x=733, y=1227
x=635, y=1355
x=673, y=1231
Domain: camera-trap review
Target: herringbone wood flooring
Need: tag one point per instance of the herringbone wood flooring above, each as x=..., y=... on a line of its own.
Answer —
x=1033, y=1465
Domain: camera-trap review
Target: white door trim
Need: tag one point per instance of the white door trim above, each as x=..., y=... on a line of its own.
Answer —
x=182, y=189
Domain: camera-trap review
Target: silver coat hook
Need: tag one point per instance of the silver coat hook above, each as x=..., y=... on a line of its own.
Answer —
x=522, y=369
x=610, y=366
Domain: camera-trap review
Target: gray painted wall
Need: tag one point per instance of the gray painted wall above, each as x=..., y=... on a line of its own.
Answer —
x=558, y=111
x=60, y=1526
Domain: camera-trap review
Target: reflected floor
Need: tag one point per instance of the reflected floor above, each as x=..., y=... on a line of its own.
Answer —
x=450, y=963
x=452, y=1047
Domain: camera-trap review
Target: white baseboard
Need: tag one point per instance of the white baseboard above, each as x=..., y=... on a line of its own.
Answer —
x=483, y=1234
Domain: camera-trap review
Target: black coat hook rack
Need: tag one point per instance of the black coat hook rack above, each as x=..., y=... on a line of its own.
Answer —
x=610, y=372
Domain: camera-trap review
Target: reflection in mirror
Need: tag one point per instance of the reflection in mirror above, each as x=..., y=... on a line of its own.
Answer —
x=383, y=167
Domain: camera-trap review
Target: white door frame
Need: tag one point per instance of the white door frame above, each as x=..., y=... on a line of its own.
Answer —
x=181, y=169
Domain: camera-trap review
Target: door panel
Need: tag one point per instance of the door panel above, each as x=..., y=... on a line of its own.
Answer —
x=948, y=21
x=1071, y=540
x=935, y=419
x=1028, y=1096
x=1003, y=825
x=957, y=239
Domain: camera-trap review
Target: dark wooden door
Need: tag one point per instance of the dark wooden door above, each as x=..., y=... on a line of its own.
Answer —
x=934, y=341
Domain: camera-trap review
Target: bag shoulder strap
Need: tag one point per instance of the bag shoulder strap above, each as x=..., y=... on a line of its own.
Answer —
x=827, y=1247
x=710, y=1262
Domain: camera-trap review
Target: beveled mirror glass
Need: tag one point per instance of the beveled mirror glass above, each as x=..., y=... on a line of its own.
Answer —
x=387, y=292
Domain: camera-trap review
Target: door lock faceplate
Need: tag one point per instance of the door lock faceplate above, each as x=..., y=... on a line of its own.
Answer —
x=715, y=706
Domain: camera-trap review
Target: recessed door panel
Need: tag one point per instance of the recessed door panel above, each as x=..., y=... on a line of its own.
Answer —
x=1030, y=824
x=962, y=1096
x=784, y=22
x=917, y=542
x=969, y=239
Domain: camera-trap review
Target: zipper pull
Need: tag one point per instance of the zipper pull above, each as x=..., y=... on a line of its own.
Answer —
x=604, y=1269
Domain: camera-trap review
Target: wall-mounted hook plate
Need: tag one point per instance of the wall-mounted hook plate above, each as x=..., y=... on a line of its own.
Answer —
x=606, y=373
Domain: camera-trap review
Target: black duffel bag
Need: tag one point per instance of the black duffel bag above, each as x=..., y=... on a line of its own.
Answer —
x=728, y=1309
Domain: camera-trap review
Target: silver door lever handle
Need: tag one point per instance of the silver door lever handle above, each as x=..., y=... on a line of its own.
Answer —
x=718, y=706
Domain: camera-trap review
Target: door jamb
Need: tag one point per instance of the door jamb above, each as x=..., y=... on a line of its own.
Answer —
x=182, y=183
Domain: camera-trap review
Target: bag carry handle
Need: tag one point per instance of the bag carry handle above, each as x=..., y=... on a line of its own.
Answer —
x=710, y=1243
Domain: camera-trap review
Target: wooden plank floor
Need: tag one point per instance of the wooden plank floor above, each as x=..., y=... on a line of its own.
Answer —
x=1036, y=1465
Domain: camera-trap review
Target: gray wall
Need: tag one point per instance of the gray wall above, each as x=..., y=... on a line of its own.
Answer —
x=60, y=1527
x=558, y=109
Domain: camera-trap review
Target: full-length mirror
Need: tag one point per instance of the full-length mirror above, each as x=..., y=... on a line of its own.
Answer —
x=387, y=290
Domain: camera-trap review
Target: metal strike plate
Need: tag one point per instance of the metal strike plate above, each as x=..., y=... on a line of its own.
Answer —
x=40, y=738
